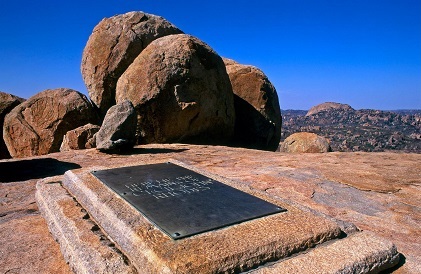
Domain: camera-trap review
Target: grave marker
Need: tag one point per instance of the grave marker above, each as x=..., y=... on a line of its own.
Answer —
x=182, y=202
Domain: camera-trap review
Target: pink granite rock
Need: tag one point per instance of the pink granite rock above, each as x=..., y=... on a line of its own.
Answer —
x=305, y=142
x=7, y=103
x=258, y=114
x=118, y=130
x=113, y=45
x=80, y=138
x=181, y=92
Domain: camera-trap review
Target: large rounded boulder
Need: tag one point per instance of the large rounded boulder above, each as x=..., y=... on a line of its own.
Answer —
x=258, y=114
x=181, y=92
x=37, y=126
x=7, y=103
x=305, y=142
x=113, y=45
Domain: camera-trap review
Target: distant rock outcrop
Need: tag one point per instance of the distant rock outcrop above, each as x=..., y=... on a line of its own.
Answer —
x=37, y=126
x=112, y=47
x=329, y=106
x=7, y=103
x=80, y=138
x=305, y=142
x=181, y=92
x=258, y=114
x=118, y=130
x=359, y=130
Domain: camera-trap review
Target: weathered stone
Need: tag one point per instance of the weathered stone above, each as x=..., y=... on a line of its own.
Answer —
x=37, y=126
x=80, y=138
x=118, y=130
x=7, y=103
x=258, y=114
x=113, y=45
x=359, y=253
x=305, y=142
x=181, y=92
x=328, y=106
x=84, y=246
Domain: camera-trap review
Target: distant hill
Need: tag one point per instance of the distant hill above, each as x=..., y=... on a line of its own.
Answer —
x=357, y=130
x=407, y=111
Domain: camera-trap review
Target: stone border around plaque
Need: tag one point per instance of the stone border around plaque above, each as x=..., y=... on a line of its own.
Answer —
x=233, y=248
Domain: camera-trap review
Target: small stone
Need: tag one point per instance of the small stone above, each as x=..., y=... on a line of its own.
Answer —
x=80, y=138
x=118, y=129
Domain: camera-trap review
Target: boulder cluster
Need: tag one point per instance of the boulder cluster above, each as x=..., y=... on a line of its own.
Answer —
x=148, y=82
x=37, y=126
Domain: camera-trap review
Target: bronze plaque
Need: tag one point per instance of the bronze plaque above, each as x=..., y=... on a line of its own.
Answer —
x=182, y=202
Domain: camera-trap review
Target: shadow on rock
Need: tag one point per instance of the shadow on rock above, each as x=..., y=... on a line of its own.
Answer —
x=252, y=129
x=402, y=261
x=15, y=171
x=151, y=151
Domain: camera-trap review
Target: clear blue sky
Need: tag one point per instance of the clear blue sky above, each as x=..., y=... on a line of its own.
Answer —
x=366, y=53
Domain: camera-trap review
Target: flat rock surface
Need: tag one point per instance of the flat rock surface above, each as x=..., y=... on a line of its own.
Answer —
x=26, y=245
x=378, y=192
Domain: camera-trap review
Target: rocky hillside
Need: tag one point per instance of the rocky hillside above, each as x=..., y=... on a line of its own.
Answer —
x=357, y=130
